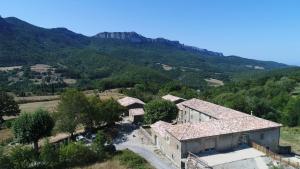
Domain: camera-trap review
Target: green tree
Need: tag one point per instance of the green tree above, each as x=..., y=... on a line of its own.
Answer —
x=99, y=145
x=49, y=155
x=74, y=154
x=91, y=116
x=110, y=111
x=70, y=111
x=8, y=106
x=160, y=110
x=29, y=128
x=292, y=112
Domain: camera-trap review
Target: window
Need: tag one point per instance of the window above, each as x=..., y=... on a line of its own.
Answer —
x=262, y=136
x=177, y=146
x=168, y=139
x=172, y=156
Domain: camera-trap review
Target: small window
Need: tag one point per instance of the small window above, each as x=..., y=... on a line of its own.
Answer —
x=172, y=156
x=168, y=139
x=262, y=136
x=177, y=146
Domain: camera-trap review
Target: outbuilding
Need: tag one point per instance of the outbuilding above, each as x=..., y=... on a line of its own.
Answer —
x=136, y=115
x=130, y=103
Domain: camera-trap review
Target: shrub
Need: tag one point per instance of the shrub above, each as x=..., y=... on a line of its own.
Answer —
x=74, y=154
x=5, y=162
x=23, y=157
x=98, y=145
x=132, y=160
x=49, y=155
x=111, y=149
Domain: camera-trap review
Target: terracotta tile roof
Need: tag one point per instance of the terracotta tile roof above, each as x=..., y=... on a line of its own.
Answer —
x=172, y=98
x=211, y=109
x=189, y=131
x=127, y=101
x=160, y=127
x=136, y=112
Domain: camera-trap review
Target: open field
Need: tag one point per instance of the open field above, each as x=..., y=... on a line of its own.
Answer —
x=35, y=98
x=45, y=105
x=291, y=136
x=49, y=103
x=214, y=82
x=40, y=68
x=10, y=68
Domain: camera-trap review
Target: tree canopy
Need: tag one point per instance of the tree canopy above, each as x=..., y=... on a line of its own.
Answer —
x=29, y=128
x=69, y=110
x=160, y=110
x=8, y=107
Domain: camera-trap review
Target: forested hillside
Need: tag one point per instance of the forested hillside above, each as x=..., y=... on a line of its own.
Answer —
x=273, y=95
x=109, y=60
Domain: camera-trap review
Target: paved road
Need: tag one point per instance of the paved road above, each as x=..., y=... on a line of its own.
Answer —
x=133, y=143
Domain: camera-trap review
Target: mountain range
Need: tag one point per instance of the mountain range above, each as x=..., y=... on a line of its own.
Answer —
x=112, y=55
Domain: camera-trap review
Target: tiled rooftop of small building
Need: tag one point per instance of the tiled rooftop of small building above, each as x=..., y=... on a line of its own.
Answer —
x=188, y=131
x=127, y=101
x=211, y=109
x=136, y=112
x=172, y=98
x=160, y=127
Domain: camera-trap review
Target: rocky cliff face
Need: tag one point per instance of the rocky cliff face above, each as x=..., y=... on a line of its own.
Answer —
x=137, y=38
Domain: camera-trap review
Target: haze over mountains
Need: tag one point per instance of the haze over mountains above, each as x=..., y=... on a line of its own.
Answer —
x=110, y=54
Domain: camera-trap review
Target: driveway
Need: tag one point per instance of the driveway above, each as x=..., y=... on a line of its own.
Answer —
x=131, y=140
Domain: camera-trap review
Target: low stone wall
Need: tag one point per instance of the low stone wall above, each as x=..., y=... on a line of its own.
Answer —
x=146, y=134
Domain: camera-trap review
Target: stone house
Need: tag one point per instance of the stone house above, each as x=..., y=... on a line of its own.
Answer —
x=206, y=126
x=136, y=115
x=130, y=103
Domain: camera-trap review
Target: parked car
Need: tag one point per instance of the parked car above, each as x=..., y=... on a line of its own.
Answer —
x=79, y=137
x=90, y=136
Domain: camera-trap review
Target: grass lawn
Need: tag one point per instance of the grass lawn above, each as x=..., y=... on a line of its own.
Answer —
x=5, y=134
x=125, y=159
x=291, y=136
x=110, y=164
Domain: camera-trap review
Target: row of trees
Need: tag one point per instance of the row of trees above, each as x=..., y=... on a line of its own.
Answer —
x=77, y=109
x=267, y=97
x=73, y=110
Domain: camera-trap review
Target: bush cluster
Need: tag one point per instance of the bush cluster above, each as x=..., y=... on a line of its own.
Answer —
x=132, y=160
x=53, y=156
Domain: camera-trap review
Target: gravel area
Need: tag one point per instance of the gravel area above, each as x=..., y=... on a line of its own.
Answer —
x=130, y=139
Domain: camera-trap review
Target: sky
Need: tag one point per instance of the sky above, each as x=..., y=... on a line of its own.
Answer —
x=256, y=29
